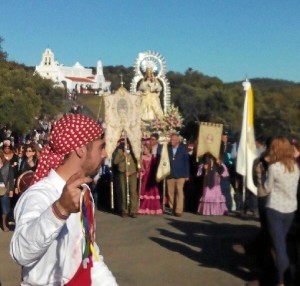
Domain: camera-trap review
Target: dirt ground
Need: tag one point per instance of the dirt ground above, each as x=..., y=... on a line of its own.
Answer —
x=163, y=250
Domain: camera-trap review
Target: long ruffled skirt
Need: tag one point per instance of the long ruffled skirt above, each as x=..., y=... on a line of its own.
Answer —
x=150, y=202
x=212, y=202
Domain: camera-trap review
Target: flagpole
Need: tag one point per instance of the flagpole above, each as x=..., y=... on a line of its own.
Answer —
x=246, y=153
x=127, y=162
x=164, y=195
x=246, y=157
x=244, y=194
x=112, y=206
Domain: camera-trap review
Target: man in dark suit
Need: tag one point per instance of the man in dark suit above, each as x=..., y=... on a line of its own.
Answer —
x=180, y=171
x=155, y=146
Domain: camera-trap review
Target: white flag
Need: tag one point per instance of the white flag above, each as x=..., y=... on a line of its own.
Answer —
x=164, y=168
x=247, y=150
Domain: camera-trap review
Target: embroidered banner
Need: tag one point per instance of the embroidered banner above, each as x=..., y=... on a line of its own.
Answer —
x=209, y=139
x=122, y=113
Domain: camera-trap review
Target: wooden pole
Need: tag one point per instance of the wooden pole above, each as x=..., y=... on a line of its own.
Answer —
x=127, y=162
x=244, y=193
x=112, y=205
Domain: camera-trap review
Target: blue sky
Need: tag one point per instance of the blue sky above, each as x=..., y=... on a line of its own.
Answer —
x=229, y=39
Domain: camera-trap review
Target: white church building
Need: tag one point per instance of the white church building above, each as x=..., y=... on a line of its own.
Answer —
x=74, y=79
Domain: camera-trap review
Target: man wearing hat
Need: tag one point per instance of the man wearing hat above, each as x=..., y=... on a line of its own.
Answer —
x=54, y=238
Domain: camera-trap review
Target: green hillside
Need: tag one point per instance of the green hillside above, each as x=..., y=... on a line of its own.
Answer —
x=24, y=98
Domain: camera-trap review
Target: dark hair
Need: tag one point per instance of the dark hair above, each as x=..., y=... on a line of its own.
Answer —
x=155, y=135
x=260, y=139
x=32, y=146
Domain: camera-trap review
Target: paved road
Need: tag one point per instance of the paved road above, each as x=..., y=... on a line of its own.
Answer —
x=163, y=250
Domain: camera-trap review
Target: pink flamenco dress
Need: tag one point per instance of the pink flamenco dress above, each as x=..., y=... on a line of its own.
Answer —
x=149, y=193
x=212, y=201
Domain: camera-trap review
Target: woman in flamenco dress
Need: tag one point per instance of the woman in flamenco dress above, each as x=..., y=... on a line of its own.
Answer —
x=149, y=192
x=212, y=201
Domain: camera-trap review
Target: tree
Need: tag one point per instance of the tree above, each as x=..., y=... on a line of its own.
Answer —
x=3, y=55
x=24, y=97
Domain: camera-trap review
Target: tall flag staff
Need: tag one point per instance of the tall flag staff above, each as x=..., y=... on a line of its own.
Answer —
x=246, y=153
x=127, y=162
x=112, y=205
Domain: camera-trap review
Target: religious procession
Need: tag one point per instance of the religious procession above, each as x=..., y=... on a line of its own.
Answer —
x=135, y=163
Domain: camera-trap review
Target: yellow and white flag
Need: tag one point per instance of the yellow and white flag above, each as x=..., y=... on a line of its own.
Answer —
x=164, y=168
x=247, y=150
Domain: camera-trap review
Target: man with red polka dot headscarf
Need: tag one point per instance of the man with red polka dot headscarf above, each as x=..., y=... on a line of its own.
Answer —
x=49, y=236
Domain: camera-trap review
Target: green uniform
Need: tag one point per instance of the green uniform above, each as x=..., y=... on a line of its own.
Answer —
x=131, y=168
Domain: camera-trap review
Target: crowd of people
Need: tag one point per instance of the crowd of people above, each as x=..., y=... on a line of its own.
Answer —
x=211, y=186
x=208, y=186
x=16, y=162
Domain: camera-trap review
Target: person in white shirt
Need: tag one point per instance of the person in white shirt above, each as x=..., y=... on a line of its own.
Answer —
x=282, y=181
x=48, y=238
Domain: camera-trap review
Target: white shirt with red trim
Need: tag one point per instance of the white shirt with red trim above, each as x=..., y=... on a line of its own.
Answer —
x=50, y=249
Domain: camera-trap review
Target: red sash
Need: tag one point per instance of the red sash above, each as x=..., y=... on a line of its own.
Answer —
x=82, y=276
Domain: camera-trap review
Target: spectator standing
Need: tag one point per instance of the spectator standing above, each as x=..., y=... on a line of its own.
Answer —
x=281, y=183
x=180, y=172
x=28, y=164
x=10, y=156
x=156, y=148
x=7, y=181
x=29, y=161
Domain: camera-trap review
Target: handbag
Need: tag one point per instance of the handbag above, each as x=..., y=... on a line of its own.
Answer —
x=3, y=189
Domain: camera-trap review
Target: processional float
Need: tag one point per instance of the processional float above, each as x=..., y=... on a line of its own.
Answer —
x=151, y=84
x=131, y=114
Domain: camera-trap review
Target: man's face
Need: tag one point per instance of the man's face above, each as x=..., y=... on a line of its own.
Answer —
x=174, y=140
x=153, y=141
x=225, y=138
x=96, y=154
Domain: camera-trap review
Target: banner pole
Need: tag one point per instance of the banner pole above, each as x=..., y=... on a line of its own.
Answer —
x=244, y=193
x=164, y=195
x=127, y=162
x=112, y=206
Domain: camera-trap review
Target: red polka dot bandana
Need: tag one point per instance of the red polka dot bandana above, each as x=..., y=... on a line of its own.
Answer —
x=69, y=133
